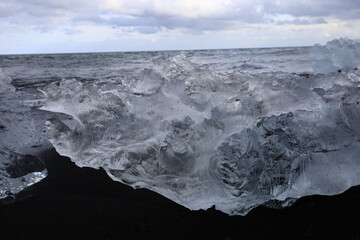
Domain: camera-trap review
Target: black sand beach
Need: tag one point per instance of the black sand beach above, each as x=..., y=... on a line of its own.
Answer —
x=83, y=203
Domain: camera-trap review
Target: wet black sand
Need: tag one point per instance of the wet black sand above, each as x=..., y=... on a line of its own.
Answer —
x=83, y=203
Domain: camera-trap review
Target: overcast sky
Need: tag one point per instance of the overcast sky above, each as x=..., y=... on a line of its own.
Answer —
x=43, y=26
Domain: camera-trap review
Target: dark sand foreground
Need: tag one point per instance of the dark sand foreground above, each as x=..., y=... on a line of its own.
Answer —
x=83, y=203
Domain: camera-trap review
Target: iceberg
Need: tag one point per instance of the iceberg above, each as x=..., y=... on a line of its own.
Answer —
x=335, y=55
x=200, y=138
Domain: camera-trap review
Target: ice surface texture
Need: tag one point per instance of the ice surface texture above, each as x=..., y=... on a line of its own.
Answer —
x=21, y=134
x=21, y=123
x=335, y=55
x=235, y=140
x=18, y=172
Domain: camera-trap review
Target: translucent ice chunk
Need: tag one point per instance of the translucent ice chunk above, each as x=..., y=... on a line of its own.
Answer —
x=202, y=139
x=336, y=54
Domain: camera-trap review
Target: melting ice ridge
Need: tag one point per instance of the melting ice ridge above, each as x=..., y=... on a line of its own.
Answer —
x=202, y=139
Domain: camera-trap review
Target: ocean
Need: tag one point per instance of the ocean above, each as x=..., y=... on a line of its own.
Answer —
x=33, y=71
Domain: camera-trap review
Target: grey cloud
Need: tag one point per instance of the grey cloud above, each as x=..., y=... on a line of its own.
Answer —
x=88, y=17
x=40, y=8
x=305, y=12
x=51, y=4
x=70, y=31
x=148, y=30
x=158, y=23
x=7, y=10
x=299, y=21
x=42, y=14
x=321, y=8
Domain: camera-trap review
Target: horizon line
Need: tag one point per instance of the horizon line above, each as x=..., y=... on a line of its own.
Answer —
x=141, y=51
